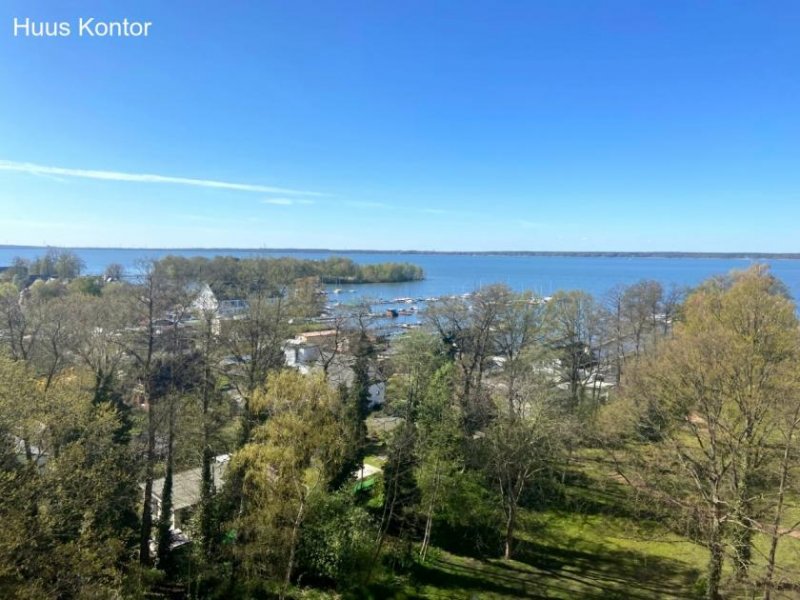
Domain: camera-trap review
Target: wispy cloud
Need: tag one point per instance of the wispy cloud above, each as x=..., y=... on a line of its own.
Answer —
x=287, y=201
x=434, y=211
x=33, y=169
x=51, y=177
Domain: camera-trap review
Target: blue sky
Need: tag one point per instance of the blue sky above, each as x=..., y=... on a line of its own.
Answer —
x=602, y=125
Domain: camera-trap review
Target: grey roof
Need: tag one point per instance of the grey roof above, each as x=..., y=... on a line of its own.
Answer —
x=186, y=484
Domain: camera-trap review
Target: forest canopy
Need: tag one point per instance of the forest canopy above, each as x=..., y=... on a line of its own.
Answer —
x=153, y=447
x=225, y=274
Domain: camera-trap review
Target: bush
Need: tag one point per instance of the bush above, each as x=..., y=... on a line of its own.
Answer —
x=336, y=540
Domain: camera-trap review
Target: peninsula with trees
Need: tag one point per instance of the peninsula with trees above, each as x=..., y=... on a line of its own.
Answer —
x=222, y=270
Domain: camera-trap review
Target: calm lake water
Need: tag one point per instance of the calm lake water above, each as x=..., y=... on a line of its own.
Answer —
x=448, y=274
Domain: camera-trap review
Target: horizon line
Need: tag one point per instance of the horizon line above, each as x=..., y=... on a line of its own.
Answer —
x=598, y=253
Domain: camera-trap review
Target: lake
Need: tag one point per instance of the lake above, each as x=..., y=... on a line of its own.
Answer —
x=448, y=274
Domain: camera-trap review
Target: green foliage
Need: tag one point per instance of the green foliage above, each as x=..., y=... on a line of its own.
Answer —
x=289, y=460
x=482, y=451
x=336, y=539
x=90, y=286
x=356, y=405
x=67, y=499
x=469, y=517
x=63, y=264
x=114, y=272
x=307, y=299
x=718, y=394
x=164, y=528
x=418, y=355
x=400, y=491
x=439, y=448
x=231, y=277
x=41, y=291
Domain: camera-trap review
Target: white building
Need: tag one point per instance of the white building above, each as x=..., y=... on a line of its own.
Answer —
x=305, y=350
x=205, y=300
x=313, y=350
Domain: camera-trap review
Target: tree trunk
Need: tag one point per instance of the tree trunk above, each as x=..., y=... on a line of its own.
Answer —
x=742, y=527
x=145, y=363
x=776, y=522
x=715, y=558
x=619, y=348
x=206, y=483
x=743, y=549
x=147, y=508
x=165, y=518
x=386, y=519
x=426, y=540
x=293, y=548
x=773, y=543
x=511, y=524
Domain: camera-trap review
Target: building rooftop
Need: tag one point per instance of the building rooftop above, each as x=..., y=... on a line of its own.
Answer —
x=186, y=484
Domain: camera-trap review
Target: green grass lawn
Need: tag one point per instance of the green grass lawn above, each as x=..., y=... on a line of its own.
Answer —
x=375, y=460
x=595, y=548
x=601, y=542
x=598, y=546
x=567, y=555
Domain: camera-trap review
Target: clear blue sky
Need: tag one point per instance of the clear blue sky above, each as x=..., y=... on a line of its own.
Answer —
x=540, y=125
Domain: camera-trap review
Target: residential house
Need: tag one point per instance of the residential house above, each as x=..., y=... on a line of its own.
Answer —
x=206, y=302
x=307, y=349
x=327, y=349
x=186, y=488
x=205, y=299
x=340, y=372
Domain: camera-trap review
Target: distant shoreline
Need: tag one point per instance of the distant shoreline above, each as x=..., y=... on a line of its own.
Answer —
x=541, y=253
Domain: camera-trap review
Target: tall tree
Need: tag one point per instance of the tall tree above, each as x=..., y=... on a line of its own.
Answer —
x=786, y=484
x=519, y=339
x=97, y=325
x=519, y=446
x=289, y=459
x=468, y=329
x=418, y=356
x=713, y=393
x=164, y=531
x=19, y=330
x=615, y=329
x=574, y=321
x=255, y=339
x=65, y=507
x=156, y=304
x=641, y=304
x=440, y=447
x=356, y=398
